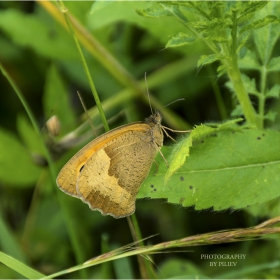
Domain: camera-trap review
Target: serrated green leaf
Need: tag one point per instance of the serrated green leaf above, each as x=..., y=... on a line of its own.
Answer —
x=207, y=59
x=249, y=61
x=215, y=25
x=274, y=64
x=226, y=170
x=270, y=116
x=153, y=13
x=181, y=150
x=178, y=156
x=56, y=100
x=260, y=23
x=23, y=27
x=179, y=40
x=20, y=267
x=250, y=85
x=216, y=38
x=266, y=37
x=251, y=7
x=16, y=164
x=273, y=92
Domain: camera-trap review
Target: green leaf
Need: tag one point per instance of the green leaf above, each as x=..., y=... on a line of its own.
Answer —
x=274, y=64
x=273, y=92
x=20, y=267
x=56, y=100
x=260, y=23
x=181, y=150
x=225, y=170
x=23, y=27
x=237, y=111
x=222, y=70
x=153, y=13
x=251, y=7
x=180, y=39
x=249, y=61
x=207, y=59
x=175, y=268
x=178, y=156
x=266, y=37
x=98, y=5
x=270, y=116
x=215, y=25
x=16, y=164
x=250, y=85
x=124, y=11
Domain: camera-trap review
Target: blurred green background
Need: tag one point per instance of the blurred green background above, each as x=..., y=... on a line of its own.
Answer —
x=41, y=57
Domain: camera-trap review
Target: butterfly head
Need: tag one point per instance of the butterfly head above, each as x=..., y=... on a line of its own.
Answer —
x=154, y=119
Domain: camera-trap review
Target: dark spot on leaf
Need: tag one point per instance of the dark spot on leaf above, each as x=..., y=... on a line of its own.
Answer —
x=152, y=186
x=202, y=141
x=82, y=168
x=182, y=178
x=155, y=190
x=182, y=199
x=263, y=134
x=259, y=138
x=191, y=187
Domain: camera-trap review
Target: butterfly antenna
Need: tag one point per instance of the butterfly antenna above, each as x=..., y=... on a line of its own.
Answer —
x=88, y=117
x=148, y=92
x=180, y=99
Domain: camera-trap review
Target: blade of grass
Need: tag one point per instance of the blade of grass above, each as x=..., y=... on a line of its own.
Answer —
x=92, y=86
x=8, y=242
x=145, y=267
x=19, y=267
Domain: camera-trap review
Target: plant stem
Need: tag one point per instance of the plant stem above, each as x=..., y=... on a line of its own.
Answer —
x=236, y=79
x=262, y=95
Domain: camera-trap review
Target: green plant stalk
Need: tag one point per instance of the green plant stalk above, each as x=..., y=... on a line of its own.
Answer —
x=235, y=77
x=92, y=86
x=65, y=211
x=146, y=269
x=262, y=95
x=218, y=96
